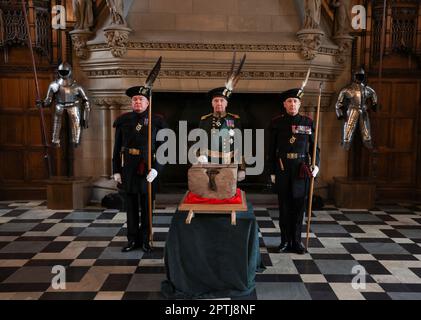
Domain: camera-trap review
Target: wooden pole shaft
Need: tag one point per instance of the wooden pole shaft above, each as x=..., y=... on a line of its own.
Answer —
x=313, y=164
x=38, y=95
x=150, y=204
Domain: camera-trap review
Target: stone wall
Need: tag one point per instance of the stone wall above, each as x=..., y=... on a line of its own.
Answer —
x=196, y=39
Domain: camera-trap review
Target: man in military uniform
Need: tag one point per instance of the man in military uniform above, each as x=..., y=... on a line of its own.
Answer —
x=219, y=127
x=130, y=157
x=291, y=137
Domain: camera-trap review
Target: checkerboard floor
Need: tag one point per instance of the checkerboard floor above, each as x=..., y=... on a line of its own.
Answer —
x=385, y=243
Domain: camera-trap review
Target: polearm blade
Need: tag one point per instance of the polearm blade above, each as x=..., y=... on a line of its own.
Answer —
x=149, y=84
x=305, y=81
x=38, y=96
x=240, y=67
x=153, y=74
x=313, y=164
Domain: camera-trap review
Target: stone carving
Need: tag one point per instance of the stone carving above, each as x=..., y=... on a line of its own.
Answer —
x=79, y=39
x=82, y=11
x=312, y=11
x=344, y=43
x=117, y=39
x=311, y=41
x=116, y=12
x=342, y=18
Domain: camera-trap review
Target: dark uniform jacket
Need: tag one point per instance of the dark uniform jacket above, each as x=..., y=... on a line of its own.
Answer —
x=225, y=124
x=290, y=137
x=130, y=153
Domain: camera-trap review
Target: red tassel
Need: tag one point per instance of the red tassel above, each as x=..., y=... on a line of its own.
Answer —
x=305, y=171
x=141, y=168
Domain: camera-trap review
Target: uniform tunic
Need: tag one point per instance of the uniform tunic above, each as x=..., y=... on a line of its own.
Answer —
x=220, y=130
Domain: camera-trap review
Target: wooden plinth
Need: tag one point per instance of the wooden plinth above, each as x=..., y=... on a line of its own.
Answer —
x=354, y=193
x=65, y=193
x=213, y=208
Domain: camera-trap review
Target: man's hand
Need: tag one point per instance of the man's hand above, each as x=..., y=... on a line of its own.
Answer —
x=241, y=175
x=117, y=177
x=202, y=159
x=273, y=178
x=152, y=175
x=315, y=171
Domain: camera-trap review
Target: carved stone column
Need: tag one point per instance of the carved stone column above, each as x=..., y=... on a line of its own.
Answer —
x=109, y=108
x=79, y=40
x=117, y=38
x=344, y=43
x=311, y=40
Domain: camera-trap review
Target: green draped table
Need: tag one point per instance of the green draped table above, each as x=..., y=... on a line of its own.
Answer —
x=211, y=258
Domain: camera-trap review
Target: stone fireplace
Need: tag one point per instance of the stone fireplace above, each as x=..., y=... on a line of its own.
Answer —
x=196, y=40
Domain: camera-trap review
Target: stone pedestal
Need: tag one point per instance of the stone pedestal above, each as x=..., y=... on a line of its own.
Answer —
x=344, y=43
x=79, y=40
x=65, y=193
x=354, y=193
x=311, y=41
x=117, y=39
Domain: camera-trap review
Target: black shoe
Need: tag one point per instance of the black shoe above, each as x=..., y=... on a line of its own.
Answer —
x=132, y=245
x=283, y=247
x=146, y=248
x=298, y=248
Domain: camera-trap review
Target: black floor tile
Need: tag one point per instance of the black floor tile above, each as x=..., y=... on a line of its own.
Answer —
x=376, y=296
x=55, y=247
x=6, y=272
x=354, y=248
x=306, y=267
x=116, y=282
x=374, y=267
x=278, y=278
x=91, y=253
x=75, y=274
x=68, y=296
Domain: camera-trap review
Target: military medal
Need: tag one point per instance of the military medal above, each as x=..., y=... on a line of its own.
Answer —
x=218, y=123
x=138, y=127
x=292, y=140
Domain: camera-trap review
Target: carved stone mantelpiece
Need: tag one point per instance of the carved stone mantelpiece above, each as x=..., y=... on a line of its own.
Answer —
x=79, y=40
x=117, y=38
x=344, y=43
x=116, y=102
x=311, y=41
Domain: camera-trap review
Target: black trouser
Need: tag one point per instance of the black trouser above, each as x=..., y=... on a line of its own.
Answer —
x=291, y=214
x=291, y=206
x=134, y=232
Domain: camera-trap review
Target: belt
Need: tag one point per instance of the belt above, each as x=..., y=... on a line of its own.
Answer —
x=295, y=156
x=131, y=151
x=67, y=104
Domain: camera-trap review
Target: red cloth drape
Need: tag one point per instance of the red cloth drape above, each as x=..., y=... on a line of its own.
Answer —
x=193, y=198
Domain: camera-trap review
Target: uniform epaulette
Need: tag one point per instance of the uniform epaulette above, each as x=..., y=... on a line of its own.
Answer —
x=206, y=116
x=236, y=116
